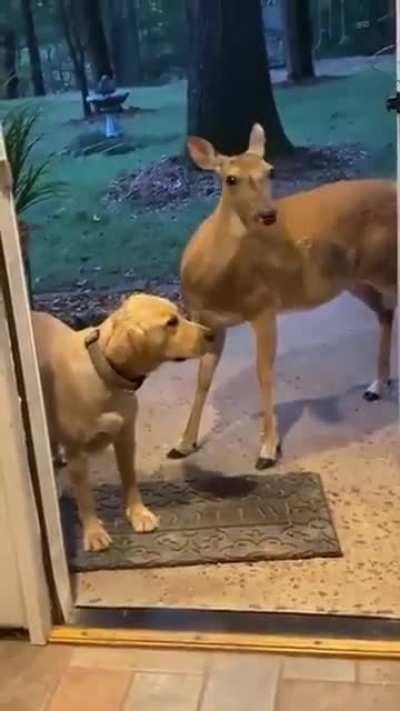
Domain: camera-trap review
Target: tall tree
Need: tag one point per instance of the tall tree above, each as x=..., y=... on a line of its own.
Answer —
x=229, y=84
x=33, y=48
x=10, y=62
x=10, y=33
x=176, y=29
x=344, y=37
x=298, y=40
x=96, y=39
x=70, y=22
x=123, y=32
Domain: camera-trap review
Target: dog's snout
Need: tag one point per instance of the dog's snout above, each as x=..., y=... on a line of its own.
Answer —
x=209, y=337
x=267, y=217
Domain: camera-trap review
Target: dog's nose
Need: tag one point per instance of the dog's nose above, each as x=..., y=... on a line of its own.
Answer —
x=209, y=337
x=267, y=217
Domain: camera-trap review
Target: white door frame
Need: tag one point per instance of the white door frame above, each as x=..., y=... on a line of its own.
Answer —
x=39, y=440
x=14, y=461
x=398, y=172
x=23, y=524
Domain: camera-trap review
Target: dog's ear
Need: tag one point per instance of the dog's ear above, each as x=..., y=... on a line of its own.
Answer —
x=136, y=336
x=124, y=342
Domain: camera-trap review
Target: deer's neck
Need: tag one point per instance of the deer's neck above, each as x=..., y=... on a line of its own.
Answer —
x=229, y=228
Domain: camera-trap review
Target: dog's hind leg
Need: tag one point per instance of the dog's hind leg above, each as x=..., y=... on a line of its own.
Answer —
x=385, y=315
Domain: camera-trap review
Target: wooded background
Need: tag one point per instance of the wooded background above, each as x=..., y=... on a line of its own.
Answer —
x=53, y=46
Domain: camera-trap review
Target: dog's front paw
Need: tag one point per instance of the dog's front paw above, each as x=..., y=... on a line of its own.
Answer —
x=95, y=536
x=142, y=519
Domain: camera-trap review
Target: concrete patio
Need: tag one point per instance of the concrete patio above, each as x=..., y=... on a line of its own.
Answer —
x=326, y=357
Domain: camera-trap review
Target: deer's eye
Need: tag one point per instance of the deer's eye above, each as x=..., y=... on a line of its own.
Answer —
x=172, y=322
x=231, y=179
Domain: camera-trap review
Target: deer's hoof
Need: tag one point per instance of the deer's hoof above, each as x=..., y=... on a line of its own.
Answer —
x=176, y=454
x=181, y=452
x=265, y=463
x=371, y=396
x=377, y=390
x=266, y=460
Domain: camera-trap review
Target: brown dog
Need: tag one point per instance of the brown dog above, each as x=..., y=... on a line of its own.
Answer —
x=89, y=380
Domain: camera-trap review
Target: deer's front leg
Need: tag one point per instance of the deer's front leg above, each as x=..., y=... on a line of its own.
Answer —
x=207, y=367
x=265, y=329
x=140, y=517
x=95, y=536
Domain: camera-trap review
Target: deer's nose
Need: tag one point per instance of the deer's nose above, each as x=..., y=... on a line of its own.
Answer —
x=267, y=217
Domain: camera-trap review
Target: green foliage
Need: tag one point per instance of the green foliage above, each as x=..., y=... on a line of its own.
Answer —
x=3, y=83
x=164, y=33
x=79, y=238
x=10, y=15
x=45, y=14
x=31, y=184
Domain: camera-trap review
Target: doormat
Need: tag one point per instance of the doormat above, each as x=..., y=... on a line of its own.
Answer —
x=211, y=519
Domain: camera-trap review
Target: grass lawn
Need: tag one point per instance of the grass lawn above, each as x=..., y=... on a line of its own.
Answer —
x=77, y=239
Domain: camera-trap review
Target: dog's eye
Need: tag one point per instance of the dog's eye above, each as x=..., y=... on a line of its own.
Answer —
x=172, y=322
x=231, y=179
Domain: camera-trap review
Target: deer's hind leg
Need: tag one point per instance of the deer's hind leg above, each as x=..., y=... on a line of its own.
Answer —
x=376, y=301
x=265, y=329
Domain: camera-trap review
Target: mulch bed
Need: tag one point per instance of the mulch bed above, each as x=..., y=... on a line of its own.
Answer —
x=172, y=183
x=81, y=308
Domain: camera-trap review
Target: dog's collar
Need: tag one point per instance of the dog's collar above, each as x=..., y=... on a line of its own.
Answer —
x=105, y=370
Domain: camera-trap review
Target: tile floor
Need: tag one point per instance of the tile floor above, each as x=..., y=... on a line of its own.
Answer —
x=58, y=678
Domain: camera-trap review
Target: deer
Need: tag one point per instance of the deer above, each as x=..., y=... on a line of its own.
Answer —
x=255, y=257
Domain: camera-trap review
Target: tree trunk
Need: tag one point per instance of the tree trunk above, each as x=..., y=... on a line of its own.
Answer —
x=96, y=39
x=81, y=78
x=124, y=41
x=33, y=48
x=133, y=28
x=10, y=63
x=69, y=23
x=344, y=37
x=60, y=64
x=299, y=39
x=229, y=85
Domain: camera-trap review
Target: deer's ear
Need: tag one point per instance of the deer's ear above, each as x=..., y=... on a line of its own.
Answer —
x=203, y=153
x=257, y=141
